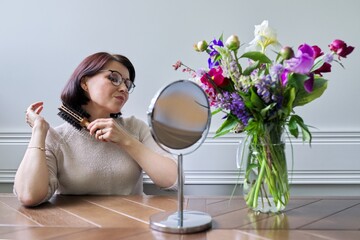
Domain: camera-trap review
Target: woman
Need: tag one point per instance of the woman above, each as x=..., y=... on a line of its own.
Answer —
x=107, y=157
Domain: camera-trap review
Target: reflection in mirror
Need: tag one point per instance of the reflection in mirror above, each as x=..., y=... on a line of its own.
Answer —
x=180, y=115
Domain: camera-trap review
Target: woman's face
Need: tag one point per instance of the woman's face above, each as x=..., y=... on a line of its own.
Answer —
x=105, y=97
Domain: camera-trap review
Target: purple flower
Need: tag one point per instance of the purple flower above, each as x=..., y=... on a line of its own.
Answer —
x=328, y=58
x=303, y=60
x=284, y=77
x=263, y=88
x=234, y=103
x=213, y=53
x=276, y=70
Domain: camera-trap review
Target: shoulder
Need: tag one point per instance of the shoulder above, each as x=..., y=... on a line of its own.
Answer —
x=135, y=126
x=132, y=122
x=57, y=135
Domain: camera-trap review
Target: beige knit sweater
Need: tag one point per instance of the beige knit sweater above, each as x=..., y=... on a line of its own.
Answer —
x=79, y=164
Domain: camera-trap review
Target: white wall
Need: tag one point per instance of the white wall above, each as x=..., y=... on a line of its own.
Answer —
x=42, y=41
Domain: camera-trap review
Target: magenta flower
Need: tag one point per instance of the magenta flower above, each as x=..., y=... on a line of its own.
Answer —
x=215, y=74
x=341, y=48
x=284, y=77
x=309, y=83
x=303, y=60
x=326, y=67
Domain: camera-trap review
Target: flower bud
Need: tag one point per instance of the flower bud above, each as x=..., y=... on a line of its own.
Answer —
x=232, y=43
x=201, y=46
x=287, y=53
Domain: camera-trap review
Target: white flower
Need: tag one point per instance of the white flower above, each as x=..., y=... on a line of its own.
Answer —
x=264, y=36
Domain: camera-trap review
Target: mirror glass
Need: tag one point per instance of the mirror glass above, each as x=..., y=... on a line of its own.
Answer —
x=179, y=115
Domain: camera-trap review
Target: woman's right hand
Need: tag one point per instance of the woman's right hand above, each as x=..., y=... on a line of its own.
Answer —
x=33, y=117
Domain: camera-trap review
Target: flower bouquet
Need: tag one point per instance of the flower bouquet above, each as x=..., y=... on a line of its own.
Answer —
x=258, y=95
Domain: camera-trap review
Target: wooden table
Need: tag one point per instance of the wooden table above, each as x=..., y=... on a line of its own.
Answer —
x=127, y=217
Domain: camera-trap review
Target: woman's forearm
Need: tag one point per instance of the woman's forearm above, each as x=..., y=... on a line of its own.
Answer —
x=161, y=169
x=32, y=176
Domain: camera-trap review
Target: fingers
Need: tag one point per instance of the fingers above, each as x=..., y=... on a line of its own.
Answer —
x=98, y=124
x=35, y=106
x=32, y=112
x=39, y=109
x=103, y=134
x=103, y=129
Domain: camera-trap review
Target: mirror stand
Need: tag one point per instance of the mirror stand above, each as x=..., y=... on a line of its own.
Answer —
x=179, y=118
x=180, y=221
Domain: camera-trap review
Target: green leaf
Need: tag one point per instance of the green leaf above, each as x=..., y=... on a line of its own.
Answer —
x=228, y=125
x=302, y=96
x=256, y=100
x=293, y=128
x=306, y=134
x=297, y=80
x=256, y=56
x=217, y=58
x=249, y=169
x=221, y=38
x=318, y=63
x=289, y=97
x=216, y=111
x=251, y=68
x=265, y=110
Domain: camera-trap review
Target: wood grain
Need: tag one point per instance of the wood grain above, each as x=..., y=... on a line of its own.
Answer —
x=127, y=217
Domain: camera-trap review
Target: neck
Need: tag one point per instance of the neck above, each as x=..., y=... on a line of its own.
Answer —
x=95, y=113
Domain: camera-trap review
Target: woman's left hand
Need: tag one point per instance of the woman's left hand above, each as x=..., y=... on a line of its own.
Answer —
x=107, y=130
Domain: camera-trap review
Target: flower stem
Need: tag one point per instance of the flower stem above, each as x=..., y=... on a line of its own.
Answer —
x=258, y=184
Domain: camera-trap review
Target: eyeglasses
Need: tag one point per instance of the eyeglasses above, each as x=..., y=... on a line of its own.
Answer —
x=116, y=79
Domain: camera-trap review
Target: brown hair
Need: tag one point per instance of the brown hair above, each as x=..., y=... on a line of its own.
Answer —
x=73, y=95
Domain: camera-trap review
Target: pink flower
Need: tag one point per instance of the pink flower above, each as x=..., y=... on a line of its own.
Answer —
x=341, y=48
x=177, y=65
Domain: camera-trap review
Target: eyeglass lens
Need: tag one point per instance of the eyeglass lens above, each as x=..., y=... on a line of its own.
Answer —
x=117, y=80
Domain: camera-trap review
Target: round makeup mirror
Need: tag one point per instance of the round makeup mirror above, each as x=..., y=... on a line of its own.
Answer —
x=179, y=117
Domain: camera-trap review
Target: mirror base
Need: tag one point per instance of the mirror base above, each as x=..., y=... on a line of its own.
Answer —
x=169, y=222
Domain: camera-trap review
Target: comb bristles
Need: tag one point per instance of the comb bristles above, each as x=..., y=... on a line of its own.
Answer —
x=71, y=113
x=70, y=120
x=73, y=117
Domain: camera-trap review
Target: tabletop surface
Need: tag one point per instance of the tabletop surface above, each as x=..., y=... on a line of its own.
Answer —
x=127, y=217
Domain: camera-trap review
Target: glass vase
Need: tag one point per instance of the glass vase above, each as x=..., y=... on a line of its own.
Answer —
x=262, y=158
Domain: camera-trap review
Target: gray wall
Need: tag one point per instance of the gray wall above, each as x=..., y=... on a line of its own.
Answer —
x=42, y=41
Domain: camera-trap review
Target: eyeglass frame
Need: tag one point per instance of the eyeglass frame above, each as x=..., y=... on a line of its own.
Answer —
x=121, y=81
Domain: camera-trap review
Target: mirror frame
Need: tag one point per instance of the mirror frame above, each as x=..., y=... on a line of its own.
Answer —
x=150, y=115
